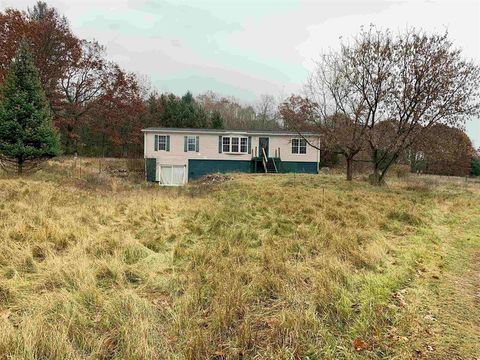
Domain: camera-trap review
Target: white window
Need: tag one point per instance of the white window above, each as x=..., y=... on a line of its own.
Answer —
x=299, y=146
x=172, y=175
x=226, y=144
x=235, y=144
x=243, y=145
x=162, y=142
x=192, y=143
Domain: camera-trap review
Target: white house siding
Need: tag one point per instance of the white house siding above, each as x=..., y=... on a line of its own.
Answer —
x=209, y=148
x=284, y=143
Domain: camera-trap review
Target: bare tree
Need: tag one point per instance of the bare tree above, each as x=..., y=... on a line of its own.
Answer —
x=267, y=114
x=339, y=133
x=345, y=91
x=84, y=83
x=235, y=114
x=429, y=84
x=381, y=92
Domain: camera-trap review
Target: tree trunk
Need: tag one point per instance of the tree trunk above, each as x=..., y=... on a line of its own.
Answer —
x=103, y=145
x=381, y=179
x=20, y=166
x=70, y=145
x=376, y=178
x=349, y=169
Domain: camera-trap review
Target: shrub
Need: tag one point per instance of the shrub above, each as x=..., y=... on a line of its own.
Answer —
x=421, y=184
x=475, y=166
x=400, y=170
x=95, y=181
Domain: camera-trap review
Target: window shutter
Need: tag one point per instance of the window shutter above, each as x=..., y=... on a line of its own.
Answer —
x=185, y=143
x=197, y=144
x=156, y=143
x=249, y=145
x=220, y=144
x=168, y=142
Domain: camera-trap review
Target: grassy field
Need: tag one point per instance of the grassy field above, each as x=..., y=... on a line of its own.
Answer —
x=258, y=267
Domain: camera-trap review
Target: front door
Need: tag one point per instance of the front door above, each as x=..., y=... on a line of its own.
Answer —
x=263, y=144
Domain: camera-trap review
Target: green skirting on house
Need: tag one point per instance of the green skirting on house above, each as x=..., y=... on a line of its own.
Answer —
x=151, y=169
x=199, y=168
x=298, y=167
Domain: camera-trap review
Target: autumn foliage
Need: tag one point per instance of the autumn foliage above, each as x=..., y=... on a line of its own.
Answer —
x=384, y=94
x=378, y=95
x=443, y=150
x=95, y=103
x=26, y=134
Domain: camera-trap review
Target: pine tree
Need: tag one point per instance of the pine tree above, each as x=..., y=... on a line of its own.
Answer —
x=27, y=136
x=475, y=167
x=216, y=121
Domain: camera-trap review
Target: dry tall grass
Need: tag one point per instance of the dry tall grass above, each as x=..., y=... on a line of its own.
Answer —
x=264, y=267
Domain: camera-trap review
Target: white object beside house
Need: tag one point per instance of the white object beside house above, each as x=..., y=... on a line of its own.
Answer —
x=173, y=156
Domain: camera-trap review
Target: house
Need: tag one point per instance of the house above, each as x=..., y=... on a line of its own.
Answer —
x=173, y=156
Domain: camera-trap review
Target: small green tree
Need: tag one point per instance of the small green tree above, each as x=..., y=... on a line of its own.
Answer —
x=475, y=171
x=27, y=136
x=183, y=112
x=216, y=120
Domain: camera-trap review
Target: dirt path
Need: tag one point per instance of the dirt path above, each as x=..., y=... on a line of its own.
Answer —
x=444, y=300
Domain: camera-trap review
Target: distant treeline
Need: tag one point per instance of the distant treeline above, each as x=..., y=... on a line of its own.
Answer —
x=100, y=108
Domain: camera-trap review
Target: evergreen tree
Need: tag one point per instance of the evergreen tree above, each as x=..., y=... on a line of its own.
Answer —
x=200, y=118
x=188, y=98
x=26, y=133
x=216, y=121
x=187, y=112
x=475, y=170
x=39, y=12
x=170, y=105
x=182, y=112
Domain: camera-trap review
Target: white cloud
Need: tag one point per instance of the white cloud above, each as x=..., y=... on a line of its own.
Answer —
x=460, y=18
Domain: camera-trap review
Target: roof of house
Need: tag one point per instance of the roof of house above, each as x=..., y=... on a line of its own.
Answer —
x=227, y=131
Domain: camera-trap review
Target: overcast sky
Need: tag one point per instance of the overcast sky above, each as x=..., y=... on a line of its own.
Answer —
x=250, y=47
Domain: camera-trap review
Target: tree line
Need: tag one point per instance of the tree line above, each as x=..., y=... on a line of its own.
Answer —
x=382, y=97
x=98, y=107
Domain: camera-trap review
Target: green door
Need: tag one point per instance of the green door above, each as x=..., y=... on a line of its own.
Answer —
x=263, y=144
